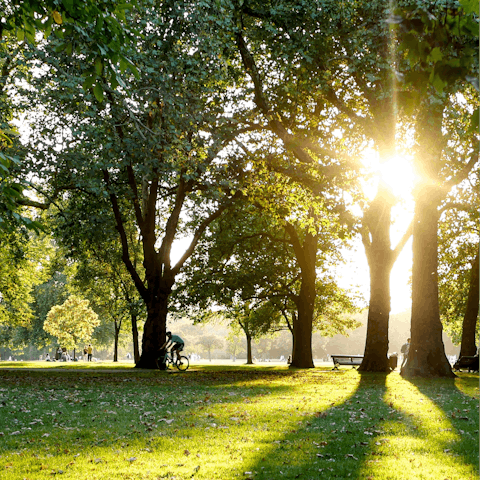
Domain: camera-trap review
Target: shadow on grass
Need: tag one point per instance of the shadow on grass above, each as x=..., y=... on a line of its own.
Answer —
x=454, y=398
x=331, y=443
x=68, y=418
x=264, y=423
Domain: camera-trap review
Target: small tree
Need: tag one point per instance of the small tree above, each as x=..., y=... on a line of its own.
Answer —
x=209, y=343
x=71, y=322
x=234, y=344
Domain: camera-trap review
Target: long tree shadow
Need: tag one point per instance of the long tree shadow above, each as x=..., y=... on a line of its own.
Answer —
x=267, y=424
x=331, y=443
x=63, y=422
x=425, y=442
x=383, y=429
x=459, y=408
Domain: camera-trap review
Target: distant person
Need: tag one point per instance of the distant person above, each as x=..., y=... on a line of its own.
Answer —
x=47, y=357
x=175, y=343
x=405, y=349
x=89, y=353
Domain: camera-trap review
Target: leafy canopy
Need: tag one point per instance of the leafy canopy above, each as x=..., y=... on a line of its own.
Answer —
x=71, y=322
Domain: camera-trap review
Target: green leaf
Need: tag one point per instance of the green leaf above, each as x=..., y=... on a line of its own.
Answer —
x=98, y=92
x=123, y=64
x=470, y=6
x=435, y=55
x=98, y=65
x=474, y=122
x=89, y=81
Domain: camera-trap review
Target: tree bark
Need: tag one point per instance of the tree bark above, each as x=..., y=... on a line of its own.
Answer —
x=426, y=357
x=302, y=337
x=380, y=261
x=302, y=356
x=376, y=346
x=115, y=346
x=468, y=346
x=155, y=331
x=136, y=350
x=249, y=350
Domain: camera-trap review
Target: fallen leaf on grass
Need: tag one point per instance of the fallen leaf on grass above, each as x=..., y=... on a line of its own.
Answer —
x=167, y=421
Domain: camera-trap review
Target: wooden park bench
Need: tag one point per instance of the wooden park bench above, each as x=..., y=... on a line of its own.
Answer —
x=346, y=360
x=467, y=362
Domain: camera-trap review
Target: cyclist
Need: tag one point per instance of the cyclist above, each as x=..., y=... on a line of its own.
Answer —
x=175, y=343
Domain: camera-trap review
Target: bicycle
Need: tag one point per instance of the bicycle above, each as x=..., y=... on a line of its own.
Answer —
x=181, y=362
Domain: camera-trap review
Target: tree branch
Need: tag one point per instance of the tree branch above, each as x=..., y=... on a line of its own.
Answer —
x=123, y=238
x=199, y=232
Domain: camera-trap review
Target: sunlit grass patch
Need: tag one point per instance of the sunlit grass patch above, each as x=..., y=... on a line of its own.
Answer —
x=211, y=423
x=424, y=439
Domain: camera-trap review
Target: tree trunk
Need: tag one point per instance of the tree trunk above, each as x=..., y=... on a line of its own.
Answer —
x=426, y=357
x=380, y=260
x=468, y=346
x=376, y=347
x=302, y=339
x=115, y=345
x=154, y=332
x=249, y=350
x=136, y=350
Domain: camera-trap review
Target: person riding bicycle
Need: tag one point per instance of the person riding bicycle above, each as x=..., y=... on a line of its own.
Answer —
x=175, y=343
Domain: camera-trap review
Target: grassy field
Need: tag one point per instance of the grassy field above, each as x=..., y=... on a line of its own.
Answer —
x=88, y=422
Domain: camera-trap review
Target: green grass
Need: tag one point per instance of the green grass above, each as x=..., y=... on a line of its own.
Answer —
x=234, y=423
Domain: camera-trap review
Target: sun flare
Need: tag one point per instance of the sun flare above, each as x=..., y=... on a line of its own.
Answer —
x=396, y=172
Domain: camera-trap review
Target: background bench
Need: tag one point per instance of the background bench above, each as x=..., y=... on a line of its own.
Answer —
x=346, y=360
x=467, y=362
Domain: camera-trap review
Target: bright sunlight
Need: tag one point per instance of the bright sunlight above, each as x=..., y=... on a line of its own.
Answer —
x=397, y=173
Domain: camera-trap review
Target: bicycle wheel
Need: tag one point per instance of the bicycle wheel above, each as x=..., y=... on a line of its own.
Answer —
x=182, y=363
x=163, y=363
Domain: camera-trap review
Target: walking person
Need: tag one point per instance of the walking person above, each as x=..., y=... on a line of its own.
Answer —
x=89, y=353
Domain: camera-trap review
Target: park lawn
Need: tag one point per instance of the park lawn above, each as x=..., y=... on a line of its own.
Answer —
x=235, y=423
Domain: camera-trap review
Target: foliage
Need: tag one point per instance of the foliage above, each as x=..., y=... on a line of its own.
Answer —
x=23, y=264
x=100, y=25
x=459, y=239
x=440, y=41
x=209, y=343
x=72, y=322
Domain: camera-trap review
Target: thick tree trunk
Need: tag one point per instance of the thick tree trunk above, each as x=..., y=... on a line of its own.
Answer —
x=302, y=339
x=380, y=260
x=249, y=350
x=154, y=332
x=136, y=350
x=468, y=346
x=426, y=357
x=376, y=347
